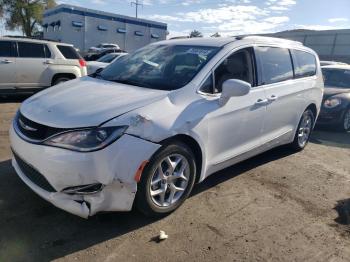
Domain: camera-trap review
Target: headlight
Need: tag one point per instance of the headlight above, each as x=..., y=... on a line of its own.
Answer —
x=331, y=102
x=87, y=140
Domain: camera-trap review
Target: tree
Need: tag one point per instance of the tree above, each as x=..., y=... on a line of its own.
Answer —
x=216, y=35
x=195, y=33
x=25, y=15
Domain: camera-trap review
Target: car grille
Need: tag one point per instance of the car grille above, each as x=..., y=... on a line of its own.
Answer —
x=35, y=131
x=33, y=175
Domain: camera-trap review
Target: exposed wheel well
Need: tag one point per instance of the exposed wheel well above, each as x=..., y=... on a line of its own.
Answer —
x=313, y=108
x=62, y=75
x=196, y=149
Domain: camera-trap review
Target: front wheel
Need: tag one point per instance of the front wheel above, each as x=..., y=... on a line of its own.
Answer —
x=345, y=125
x=303, y=133
x=167, y=180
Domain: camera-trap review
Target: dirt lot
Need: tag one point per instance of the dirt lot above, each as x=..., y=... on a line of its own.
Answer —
x=278, y=207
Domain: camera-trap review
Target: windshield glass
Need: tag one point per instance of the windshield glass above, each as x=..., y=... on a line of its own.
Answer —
x=336, y=77
x=162, y=67
x=107, y=58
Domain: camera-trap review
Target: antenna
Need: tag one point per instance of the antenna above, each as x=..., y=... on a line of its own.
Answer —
x=137, y=4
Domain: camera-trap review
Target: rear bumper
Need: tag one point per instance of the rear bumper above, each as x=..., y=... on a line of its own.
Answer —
x=114, y=167
x=330, y=116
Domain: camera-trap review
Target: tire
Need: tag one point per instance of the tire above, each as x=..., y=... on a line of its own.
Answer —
x=153, y=197
x=345, y=123
x=60, y=80
x=304, y=130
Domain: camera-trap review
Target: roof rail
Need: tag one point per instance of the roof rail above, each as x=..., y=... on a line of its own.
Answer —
x=28, y=37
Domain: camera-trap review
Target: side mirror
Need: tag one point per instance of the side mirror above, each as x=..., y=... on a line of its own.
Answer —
x=234, y=87
x=98, y=71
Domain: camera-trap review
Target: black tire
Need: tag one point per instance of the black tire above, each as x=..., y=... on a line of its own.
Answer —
x=60, y=80
x=296, y=145
x=144, y=201
x=342, y=126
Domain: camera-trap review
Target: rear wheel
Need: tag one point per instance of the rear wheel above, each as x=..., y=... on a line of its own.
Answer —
x=303, y=133
x=167, y=180
x=60, y=80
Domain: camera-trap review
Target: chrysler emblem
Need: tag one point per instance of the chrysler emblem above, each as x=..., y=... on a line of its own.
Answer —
x=26, y=127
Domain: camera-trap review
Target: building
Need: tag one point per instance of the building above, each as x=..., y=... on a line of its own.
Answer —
x=333, y=45
x=85, y=28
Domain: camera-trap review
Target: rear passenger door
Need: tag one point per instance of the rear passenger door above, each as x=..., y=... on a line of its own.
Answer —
x=282, y=92
x=32, y=65
x=7, y=64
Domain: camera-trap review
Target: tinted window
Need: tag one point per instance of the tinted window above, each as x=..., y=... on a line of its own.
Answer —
x=6, y=49
x=68, y=52
x=162, y=67
x=47, y=51
x=276, y=64
x=237, y=66
x=31, y=50
x=336, y=77
x=207, y=86
x=304, y=64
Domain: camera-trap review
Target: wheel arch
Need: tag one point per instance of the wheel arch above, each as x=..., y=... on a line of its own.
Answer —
x=195, y=147
x=59, y=75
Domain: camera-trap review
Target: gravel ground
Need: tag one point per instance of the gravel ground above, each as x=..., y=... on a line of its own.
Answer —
x=278, y=206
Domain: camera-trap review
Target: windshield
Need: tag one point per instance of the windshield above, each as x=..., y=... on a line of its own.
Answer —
x=336, y=77
x=162, y=67
x=107, y=58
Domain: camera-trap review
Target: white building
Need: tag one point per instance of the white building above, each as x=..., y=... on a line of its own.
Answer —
x=84, y=28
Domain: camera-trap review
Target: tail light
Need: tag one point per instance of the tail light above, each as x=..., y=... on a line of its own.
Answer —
x=82, y=62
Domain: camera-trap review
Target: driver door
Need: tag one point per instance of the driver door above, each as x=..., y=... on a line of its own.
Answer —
x=235, y=128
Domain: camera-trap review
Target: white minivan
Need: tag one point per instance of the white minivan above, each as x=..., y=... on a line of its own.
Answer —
x=152, y=124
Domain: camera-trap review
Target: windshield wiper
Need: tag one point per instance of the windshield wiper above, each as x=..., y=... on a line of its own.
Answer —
x=128, y=82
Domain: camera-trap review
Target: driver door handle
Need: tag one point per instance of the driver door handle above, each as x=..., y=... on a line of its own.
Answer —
x=272, y=98
x=6, y=61
x=261, y=101
x=48, y=62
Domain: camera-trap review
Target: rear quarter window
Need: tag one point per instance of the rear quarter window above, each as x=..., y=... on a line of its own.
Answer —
x=69, y=52
x=304, y=64
x=275, y=64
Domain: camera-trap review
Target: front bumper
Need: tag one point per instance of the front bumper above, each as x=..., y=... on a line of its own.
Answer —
x=331, y=116
x=114, y=167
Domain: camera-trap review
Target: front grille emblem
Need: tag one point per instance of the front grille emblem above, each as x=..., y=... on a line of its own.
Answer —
x=26, y=127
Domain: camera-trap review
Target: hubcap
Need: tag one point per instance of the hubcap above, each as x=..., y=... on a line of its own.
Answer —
x=347, y=120
x=304, y=129
x=170, y=180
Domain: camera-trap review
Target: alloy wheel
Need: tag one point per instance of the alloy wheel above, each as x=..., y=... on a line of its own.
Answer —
x=347, y=120
x=169, y=180
x=305, y=129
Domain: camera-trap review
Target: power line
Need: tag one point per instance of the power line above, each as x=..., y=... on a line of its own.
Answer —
x=137, y=4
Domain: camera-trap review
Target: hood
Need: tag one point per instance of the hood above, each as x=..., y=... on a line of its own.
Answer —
x=86, y=102
x=93, y=66
x=332, y=91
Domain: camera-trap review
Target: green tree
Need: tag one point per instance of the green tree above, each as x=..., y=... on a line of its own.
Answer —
x=25, y=15
x=196, y=33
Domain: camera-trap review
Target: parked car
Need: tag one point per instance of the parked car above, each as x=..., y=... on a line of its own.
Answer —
x=151, y=125
x=102, y=47
x=93, y=66
x=29, y=65
x=325, y=63
x=96, y=56
x=335, y=111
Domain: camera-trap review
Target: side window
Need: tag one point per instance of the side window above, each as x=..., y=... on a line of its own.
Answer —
x=68, y=52
x=239, y=65
x=275, y=63
x=304, y=64
x=31, y=50
x=7, y=49
x=47, y=51
x=207, y=86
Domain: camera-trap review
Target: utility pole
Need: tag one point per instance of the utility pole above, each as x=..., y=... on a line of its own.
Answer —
x=137, y=4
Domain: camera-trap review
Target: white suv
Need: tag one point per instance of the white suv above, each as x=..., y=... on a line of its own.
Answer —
x=27, y=65
x=155, y=122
